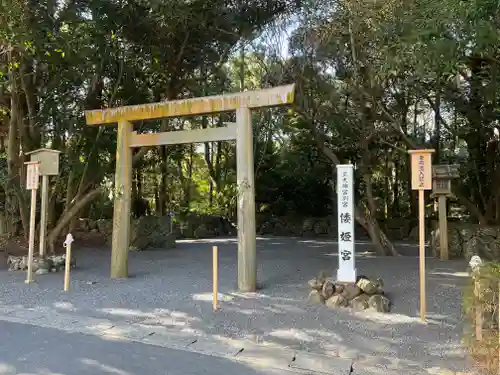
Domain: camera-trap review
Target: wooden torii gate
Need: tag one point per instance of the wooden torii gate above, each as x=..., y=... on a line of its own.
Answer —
x=242, y=103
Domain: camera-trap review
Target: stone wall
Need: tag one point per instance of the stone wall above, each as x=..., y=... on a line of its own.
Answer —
x=466, y=240
x=295, y=227
x=147, y=232
x=203, y=226
x=396, y=229
x=210, y=226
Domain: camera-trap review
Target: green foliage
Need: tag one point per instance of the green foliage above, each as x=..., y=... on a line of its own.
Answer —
x=373, y=80
x=482, y=294
x=295, y=180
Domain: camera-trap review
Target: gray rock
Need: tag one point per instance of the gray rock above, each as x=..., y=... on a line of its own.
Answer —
x=413, y=236
x=322, y=277
x=59, y=262
x=466, y=240
x=308, y=225
x=104, y=226
x=266, y=228
x=328, y=289
x=337, y=301
x=367, y=286
x=13, y=263
x=202, y=232
x=41, y=266
x=379, y=303
x=360, y=303
x=350, y=291
x=315, y=297
x=322, y=227
x=315, y=284
x=17, y=263
x=339, y=288
x=379, y=283
x=152, y=232
x=45, y=264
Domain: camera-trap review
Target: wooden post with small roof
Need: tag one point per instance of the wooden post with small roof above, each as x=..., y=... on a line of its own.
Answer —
x=442, y=175
x=242, y=103
x=49, y=166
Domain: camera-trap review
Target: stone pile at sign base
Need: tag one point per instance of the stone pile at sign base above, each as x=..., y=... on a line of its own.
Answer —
x=41, y=266
x=366, y=294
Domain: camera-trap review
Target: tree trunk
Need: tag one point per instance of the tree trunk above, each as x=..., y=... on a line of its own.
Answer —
x=189, y=179
x=387, y=190
x=382, y=245
x=3, y=223
x=380, y=241
x=210, y=193
x=395, y=203
x=68, y=215
x=157, y=196
x=472, y=208
x=162, y=193
x=87, y=176
x=437, y=124
x=138, y=172
x=14, y=165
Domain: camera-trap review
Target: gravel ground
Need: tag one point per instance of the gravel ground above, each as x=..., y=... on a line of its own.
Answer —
x=173, y=288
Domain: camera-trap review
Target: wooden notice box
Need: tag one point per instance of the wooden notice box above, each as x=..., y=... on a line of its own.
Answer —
x=49, y=161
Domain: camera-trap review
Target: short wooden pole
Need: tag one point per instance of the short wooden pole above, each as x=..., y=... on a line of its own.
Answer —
x=67, y=267
x=478, y=311
x=215, y=263
x=29, y=276
x=421, y=210
x=498, y=311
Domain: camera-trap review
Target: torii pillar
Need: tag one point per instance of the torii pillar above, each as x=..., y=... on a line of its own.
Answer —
x=242, y=103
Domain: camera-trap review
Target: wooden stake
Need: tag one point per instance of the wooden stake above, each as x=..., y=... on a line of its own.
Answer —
x=215, y=264
x=478, y=311
x=498, y=307
x=67, y=245
x=43, y=214
x=421, y=214
x=29, y=276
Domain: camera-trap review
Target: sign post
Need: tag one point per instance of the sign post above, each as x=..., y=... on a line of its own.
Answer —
x=49, y=166
x=32, y=176
x=345, y=200
x=421, y=180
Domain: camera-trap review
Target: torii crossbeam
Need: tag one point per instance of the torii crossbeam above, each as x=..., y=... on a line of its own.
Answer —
x=242, y=103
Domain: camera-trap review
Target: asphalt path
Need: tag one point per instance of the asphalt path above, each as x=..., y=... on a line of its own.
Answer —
x=30, y=350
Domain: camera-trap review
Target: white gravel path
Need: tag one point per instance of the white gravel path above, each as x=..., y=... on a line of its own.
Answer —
x=172, y=289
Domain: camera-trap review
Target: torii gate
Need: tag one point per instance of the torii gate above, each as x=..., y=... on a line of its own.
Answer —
x=242, y=103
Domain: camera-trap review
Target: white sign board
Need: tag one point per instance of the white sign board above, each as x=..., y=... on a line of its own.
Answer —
x=345, y=198
x=32, y=174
